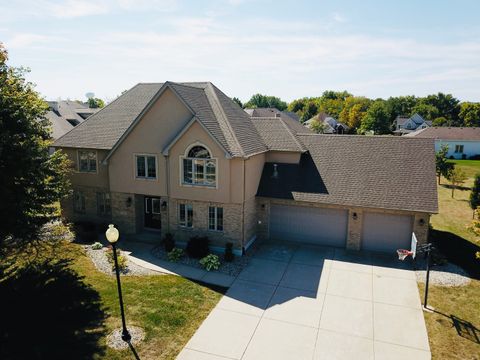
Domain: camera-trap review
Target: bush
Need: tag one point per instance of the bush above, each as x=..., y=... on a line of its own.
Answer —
x=122, y=260
x=475, y=157
x=168, y=242
x=97, y=246
x=229, y=255
x=210, y=262
x=197, y=247
x=464, y=156
x=175, y=255
x=85, y=231
x=451, y=157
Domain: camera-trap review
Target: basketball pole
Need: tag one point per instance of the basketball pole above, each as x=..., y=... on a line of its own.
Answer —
x=428, y=251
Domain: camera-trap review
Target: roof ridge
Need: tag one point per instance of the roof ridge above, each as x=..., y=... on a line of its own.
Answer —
x=98, y=112
x=214, y=101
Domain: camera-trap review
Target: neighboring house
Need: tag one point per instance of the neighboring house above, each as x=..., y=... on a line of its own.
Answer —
x=65, y=115
x=332, y=126
x=462, y=142
x=404, y=125
x=271, y=112
x=184, y=158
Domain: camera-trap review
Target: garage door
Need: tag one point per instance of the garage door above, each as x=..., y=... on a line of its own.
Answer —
x=385, y=232
x=308, y=225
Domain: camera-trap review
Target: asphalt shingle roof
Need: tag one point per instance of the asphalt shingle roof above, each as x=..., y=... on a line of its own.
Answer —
x=62, y=111
x=223, y=118
x=448, y=133
x=360, y=171
x=277, y=135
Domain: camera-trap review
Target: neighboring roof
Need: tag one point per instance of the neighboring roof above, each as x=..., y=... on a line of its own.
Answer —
x=64, y=114
x=355, y=170
x=277, y=135
x=448, y=133
x=417, y=119
x=400, y=120
x=272, y=112
x=331, y=124
x=223, y=118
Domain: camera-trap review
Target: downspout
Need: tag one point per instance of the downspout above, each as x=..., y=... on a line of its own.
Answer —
x=243, y=211
x=169, y=200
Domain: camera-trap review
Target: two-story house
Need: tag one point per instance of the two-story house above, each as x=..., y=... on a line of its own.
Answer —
x=184, y=158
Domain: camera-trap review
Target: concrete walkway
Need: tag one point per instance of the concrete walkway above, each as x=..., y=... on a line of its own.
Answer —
x=301, y=302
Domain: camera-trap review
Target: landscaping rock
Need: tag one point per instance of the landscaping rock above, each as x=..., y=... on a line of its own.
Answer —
x=114, y=340
x=443, y=275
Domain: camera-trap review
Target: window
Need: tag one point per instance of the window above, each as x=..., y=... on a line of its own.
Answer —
x=459, y=149
x=185, y=216
x=87, y=161
x=215, y=218
x=146, y=166
x=199, y=168
x=155, y=206
x=78, y=201
x=103, y=204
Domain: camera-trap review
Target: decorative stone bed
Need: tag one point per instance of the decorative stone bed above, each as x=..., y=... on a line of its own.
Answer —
x=442, y=275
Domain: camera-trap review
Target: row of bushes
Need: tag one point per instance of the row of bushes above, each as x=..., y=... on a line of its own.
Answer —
x=464, y=157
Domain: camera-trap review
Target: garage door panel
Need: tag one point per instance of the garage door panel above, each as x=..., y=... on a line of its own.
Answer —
x=308, y=225
x=386, y=232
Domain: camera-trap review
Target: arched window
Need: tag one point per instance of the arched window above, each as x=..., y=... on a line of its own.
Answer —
x=198, y=167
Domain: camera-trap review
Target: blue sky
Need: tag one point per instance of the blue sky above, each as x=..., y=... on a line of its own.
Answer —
x=289, y=49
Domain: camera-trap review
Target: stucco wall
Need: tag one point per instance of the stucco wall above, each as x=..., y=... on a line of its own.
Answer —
x=97, y=179
x=253, y=173
x=470, y=148
x=154, y=131
x=286, y=157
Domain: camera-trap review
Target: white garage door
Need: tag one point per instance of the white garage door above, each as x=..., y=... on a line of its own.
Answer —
x=386, y=232
x=308, y=225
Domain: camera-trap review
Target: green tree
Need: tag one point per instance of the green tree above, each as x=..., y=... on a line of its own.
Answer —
x=376, y=119
x=426, y=111
x=440, y=121
x=317, y=126
x=354, y=110
x=447, y=106
x=265, y=101
x=238, y=101
x=401, y=105
x=469, y=114
x=95, y=103
x=456, y=177
x=335, y=95
x=442, y=165
x=475, y=194
x=31, y=180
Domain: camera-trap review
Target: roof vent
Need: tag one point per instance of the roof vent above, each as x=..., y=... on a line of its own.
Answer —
x=275, y=171
x=278, y=115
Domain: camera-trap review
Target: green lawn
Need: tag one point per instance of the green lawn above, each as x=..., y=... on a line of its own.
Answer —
x=454, y=328
x=67, y=311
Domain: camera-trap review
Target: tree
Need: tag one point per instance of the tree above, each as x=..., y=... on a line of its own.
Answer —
x=238, y=101
x=354, y=110
x=401, y=105
x=470, y=114
x=317, y=126
x=31, y=180
x=440, y=121
x=447, y=106
x=265, y=101
x=456, y=177
x=426, y=111
x=95, y=103
x=475, y=194
x=376, y=119
x=442, y=165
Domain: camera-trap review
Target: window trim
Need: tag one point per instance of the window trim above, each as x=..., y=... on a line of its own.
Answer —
x=78, y=161
x=135, y=177
x=216, y=218
x=185, y=224
x=181, y=167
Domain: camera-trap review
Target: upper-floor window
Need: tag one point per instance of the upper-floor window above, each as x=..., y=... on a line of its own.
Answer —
x=199, y=168
x=459, y=149
x=87, y=161
x=78, y=201
x=103, y=204
x=146, y=166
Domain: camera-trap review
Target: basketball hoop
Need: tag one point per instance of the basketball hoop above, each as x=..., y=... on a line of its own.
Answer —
x=402, y=253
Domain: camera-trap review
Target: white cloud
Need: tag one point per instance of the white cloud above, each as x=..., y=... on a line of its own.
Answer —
x=337, y=17
x=78, y=8
x=24, y=40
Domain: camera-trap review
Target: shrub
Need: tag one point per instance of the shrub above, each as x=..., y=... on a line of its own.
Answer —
x=451, y=157
x=210, y=262
x=464, y=156
x=175, y=255
x=229, y=256
x=97, y=246
x=475, y=157
x=197, y=247
x=168, y=242
x=85, y=231
x=122, y=260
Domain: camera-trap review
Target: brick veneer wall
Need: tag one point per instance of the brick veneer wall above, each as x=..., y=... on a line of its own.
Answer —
x=90, y=213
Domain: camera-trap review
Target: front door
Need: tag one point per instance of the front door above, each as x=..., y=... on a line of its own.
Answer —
x=152, y=212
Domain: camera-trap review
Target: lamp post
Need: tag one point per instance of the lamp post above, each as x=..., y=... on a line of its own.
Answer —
x=112, y=235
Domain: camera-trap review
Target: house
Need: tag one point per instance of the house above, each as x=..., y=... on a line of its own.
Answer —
x=271, y=112
x=404, y=125
x=462, y=142
x=65, y=115
x=332, y=126
x=184, y=158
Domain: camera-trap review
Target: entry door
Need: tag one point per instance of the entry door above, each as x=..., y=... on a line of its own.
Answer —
x=152, y=212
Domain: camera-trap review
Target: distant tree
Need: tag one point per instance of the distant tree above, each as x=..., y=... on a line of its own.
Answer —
x=297, y=105
x=376, y=119
x=354, y=110
x=94, y=103
x=427, y=111
x=447, y=105
x=265, y=101
x=442, y=166
x=310, y=110
x=31, y=180
x=238, y=101
x=318, y=126
x=469, y=114
x=475, y=194
x=401, y=105
x=456, y=177
x=440, y=121
x=335, y=95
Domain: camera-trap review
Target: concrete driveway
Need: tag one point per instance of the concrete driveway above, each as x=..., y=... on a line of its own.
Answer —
x=306, y=302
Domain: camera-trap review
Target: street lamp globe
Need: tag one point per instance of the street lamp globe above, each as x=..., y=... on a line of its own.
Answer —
x=112, y=234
